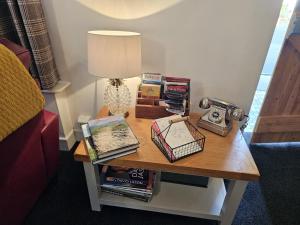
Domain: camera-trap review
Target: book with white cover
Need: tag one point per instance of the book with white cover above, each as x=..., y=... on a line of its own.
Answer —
x=108, y=138
x=110, y=134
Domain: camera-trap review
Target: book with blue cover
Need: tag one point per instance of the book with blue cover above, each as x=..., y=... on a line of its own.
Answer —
x=152, y=78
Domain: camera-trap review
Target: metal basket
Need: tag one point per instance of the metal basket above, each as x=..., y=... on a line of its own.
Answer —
x=185, y=149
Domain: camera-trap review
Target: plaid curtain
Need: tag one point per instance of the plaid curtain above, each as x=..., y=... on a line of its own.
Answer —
x=23, y=22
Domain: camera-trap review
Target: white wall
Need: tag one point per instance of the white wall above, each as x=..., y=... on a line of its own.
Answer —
x=220, y=45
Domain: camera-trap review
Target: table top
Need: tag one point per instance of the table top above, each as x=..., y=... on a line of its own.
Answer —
x=226, y=157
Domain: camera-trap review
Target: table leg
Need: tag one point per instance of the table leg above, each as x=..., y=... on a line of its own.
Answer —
x=92, y=179
x=232, y=200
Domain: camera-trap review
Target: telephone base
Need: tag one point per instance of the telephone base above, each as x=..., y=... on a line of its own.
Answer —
x=223, y=131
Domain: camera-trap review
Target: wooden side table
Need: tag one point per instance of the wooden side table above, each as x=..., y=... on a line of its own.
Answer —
x=222, y=158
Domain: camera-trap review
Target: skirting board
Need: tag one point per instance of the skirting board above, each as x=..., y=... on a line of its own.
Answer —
x=66, y=143
x=78, y=134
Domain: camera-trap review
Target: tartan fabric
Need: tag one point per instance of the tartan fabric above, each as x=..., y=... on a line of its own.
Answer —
x=7, y=29
x=14, y=30
x=24, y=20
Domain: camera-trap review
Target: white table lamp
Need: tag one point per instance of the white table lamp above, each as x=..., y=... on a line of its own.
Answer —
x=115, y=55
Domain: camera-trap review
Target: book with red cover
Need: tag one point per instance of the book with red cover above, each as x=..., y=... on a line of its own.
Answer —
x=177, y=79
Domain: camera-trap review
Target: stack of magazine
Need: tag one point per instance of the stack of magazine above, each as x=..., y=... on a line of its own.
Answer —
x=108, y=138
x=176, y=91
x=128, y=182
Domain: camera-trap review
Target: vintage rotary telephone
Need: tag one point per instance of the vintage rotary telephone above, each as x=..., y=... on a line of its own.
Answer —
x=219, y=115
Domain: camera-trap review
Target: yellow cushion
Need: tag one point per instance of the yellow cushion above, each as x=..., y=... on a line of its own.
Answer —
x=20, y=97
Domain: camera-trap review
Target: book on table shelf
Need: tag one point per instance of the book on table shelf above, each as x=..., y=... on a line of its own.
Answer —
x=108, y=138
x=134, y=183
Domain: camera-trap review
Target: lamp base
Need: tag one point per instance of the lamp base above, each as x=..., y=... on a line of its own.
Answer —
x=117, y=97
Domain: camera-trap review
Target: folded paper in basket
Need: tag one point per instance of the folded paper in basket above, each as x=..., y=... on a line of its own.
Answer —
x=176, y=136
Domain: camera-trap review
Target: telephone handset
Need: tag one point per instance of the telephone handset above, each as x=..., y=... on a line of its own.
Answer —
x=219, y=115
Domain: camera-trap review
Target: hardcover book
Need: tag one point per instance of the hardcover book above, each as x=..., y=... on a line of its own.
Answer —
x=89, y=145
x=112, y=135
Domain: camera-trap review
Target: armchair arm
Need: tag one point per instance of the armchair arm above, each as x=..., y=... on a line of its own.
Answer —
x=22, y=53
x=50, y=142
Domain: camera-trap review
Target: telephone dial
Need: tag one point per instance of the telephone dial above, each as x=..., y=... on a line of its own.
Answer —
x=219, y=115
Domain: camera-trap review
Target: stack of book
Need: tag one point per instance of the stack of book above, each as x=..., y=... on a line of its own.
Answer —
x=108, y=138
x=128, y=182
x=176, y=92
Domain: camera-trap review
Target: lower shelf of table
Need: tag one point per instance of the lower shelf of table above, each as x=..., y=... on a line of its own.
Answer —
x=177, y=199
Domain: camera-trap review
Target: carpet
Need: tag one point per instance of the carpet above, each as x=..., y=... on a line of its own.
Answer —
x=274, y=200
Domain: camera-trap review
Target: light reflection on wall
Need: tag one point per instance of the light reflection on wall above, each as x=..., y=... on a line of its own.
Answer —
x=128, y=9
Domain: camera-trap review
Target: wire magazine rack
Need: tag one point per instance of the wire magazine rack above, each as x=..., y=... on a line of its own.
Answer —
x=185, y=149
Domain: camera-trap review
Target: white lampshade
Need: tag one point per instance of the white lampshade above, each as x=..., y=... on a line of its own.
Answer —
x=114, y=54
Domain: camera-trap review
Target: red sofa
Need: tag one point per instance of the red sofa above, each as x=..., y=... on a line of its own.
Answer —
x=29, y=158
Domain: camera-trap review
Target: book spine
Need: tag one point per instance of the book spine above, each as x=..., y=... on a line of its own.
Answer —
x=177, y=79
x=151, y=82
x=89, y=143
x=113, y=156
x=152, y=77
x=121, y=181
x=178, y=88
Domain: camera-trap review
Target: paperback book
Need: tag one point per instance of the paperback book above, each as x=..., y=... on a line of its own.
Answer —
x=152, y=78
